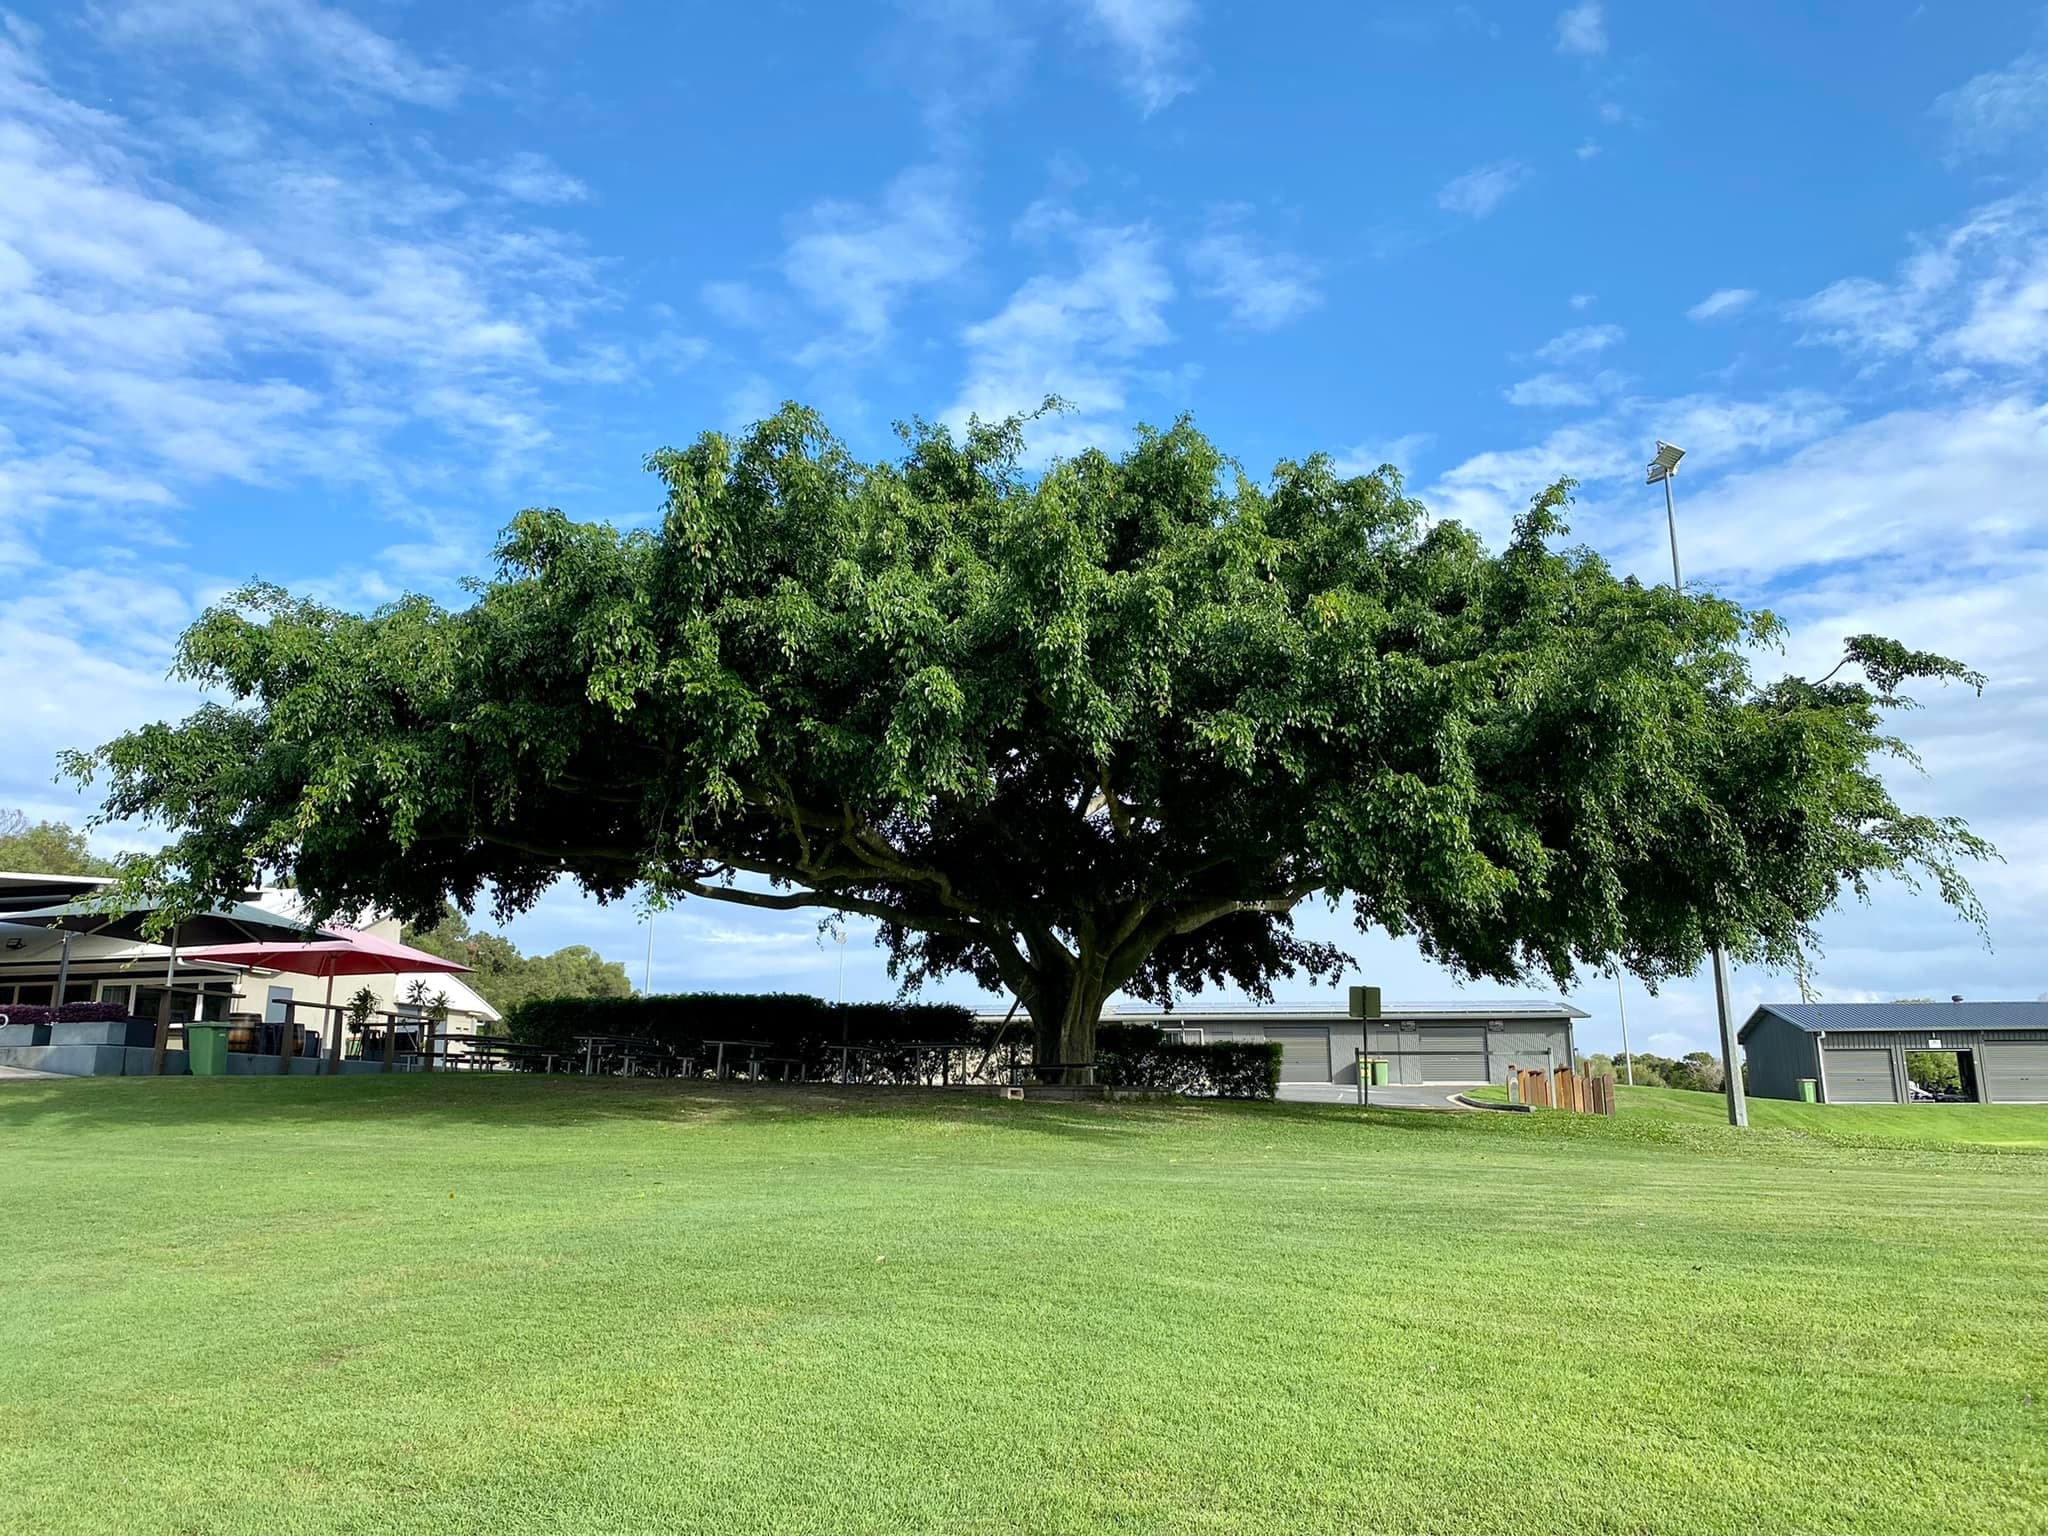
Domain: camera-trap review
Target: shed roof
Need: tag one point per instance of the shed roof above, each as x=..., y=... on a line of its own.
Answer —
x=1847, y=1018
x=1458, y=1010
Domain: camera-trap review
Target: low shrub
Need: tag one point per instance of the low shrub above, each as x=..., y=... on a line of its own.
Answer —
x=1142, y=1056
x=61, y=1013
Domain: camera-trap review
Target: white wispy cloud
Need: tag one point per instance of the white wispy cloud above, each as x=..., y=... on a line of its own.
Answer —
x=1582, y=30
x=1402, y=452
x=1264, y=286
x=1153, y=39
x=1975, y=295
x=534, y=178
x=1550, y=391
x=1580, y=341
x=292, y=44
x=1998, y=110
x=1722, y=301
x=291, y=323
x=1077, y=333
x=1479, y=191
x=1582, y=301
x=859, y=263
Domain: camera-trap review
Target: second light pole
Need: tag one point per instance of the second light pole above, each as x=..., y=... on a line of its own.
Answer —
x=1662, y=469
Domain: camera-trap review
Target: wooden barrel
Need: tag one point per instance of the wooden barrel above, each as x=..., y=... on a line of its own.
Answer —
x=242, y=1037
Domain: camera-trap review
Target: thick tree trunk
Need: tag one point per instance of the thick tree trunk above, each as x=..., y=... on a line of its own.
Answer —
x=1063, y=1016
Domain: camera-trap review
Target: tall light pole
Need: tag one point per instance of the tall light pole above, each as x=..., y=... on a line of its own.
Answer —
x=1628, y=1057
x=839, y=933
x=1662, y=469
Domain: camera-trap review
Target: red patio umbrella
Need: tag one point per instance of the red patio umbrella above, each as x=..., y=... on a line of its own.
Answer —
x=351, y=952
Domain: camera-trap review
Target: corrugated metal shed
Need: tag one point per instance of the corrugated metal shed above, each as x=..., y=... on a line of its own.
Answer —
x=1912, y=1018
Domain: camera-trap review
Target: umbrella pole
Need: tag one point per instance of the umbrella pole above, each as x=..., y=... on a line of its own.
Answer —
x=163, y=1011
x=63, y=967
x=334, y=1023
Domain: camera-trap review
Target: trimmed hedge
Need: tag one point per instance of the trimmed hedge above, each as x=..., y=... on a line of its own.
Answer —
x=62, y=1013
x=1141, y=1056
x=790, y=1024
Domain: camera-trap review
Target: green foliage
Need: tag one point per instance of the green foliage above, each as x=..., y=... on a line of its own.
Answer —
x=1936, y=1071
x=1696, y=1071
x=1141, y=1056
x=47, y=848
x=1101, y=728
x=362, y=1006
x=504, y=978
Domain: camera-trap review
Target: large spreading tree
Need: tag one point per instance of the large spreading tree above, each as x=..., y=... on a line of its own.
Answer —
x=1104, y=727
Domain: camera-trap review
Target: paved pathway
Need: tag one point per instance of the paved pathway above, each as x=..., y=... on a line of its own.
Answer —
x=1389, y=1096
x=26, y=1074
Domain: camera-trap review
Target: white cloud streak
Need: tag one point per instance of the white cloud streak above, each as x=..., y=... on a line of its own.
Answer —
x=1078, y=334
x=291, y=44
x=1481, y=190
x=1998, y=110
x=1582, y=30
x=1722, y=302
x=1265, y=287
x=1153, y=39
x=859, y=263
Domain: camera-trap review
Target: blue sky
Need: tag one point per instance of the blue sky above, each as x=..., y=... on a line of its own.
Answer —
x=324, y=293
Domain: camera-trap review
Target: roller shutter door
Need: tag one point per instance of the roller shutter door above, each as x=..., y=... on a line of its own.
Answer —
x=2015, y=1071
x=1304, y=1054
x=1452, y=1055
x=1860, y=1077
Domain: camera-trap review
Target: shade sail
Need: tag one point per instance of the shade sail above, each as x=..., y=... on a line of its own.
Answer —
x=234, y=922
x=350, y=952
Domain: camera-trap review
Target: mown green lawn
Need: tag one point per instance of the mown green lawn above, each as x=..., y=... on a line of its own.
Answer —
x=438, y=1304
x=1980, y=1125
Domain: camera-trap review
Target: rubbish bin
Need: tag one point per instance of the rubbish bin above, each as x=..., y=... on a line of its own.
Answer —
x=1809, y=1091
x=206, y=1048
x=1379, y=1073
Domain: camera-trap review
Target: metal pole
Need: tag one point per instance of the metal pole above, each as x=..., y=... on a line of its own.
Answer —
x=647, y=975
x=1628, y=1060
x=163, y=1014
x=1731, y=1068
x=1738, y=1102
x=63, y=965
x=1671, y=522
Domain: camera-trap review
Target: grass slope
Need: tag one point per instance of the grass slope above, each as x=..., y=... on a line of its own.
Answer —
x=1932, y=1125
x=432, y=1304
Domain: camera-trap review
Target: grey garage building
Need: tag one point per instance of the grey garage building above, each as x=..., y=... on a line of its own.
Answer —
x=1451, y=1043
x=1856, y=1052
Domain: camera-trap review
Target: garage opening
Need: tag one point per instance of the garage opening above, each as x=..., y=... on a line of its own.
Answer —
x=1942, y=1077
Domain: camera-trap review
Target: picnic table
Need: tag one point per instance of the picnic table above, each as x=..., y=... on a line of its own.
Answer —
x=756, y=1057
x=598, y=1050
x=943, y=1048
x=487, y=1053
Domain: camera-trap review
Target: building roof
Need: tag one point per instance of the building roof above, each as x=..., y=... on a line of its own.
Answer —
x=1225, y=1013
x=1847, y=1018
x=22, y=890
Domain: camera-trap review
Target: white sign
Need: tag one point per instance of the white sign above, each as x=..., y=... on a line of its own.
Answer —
x=1933, y=1043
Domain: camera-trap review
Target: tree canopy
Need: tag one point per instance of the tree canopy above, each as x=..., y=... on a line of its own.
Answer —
x=1103, y=727
x=505, y=978
x=47, y=847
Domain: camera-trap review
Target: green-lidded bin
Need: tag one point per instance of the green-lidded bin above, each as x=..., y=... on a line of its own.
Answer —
x=1809, y=1091
x=206, y=1049
x=1379, y=1073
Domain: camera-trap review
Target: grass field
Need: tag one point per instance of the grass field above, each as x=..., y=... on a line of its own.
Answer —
x=437, y=1304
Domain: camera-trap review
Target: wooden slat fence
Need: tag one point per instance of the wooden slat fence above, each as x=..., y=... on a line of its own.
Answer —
x=1580, y=1092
